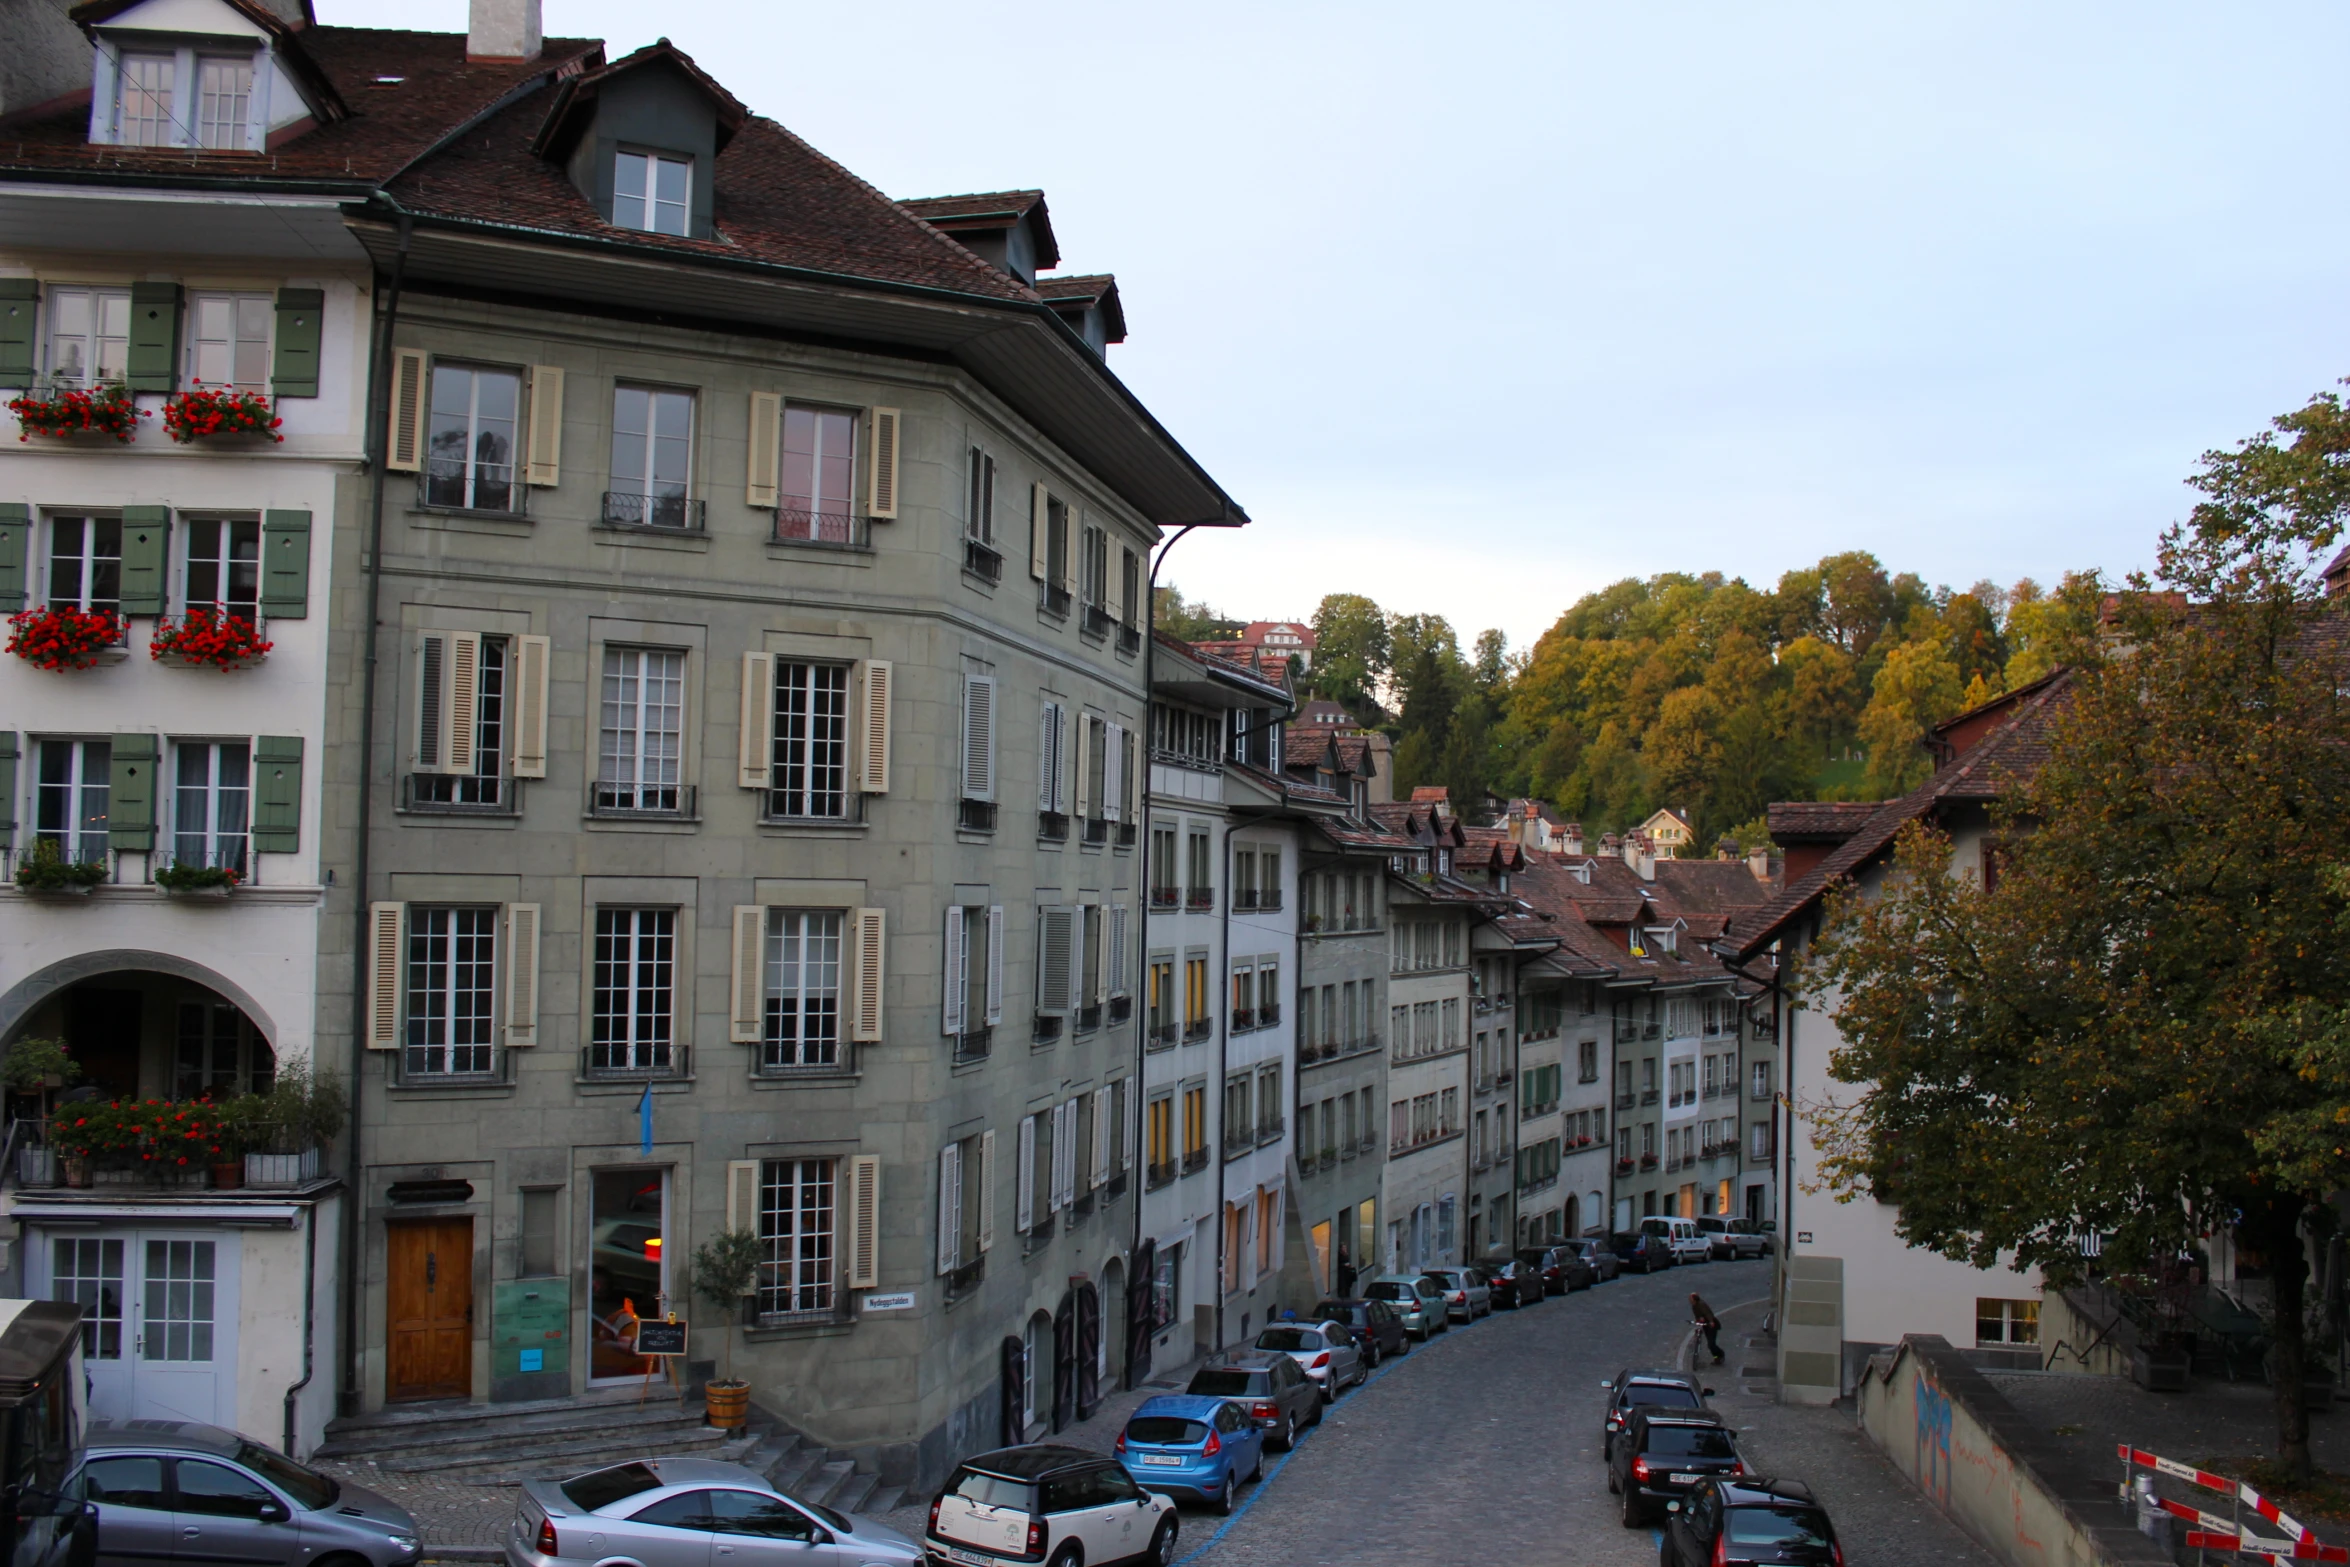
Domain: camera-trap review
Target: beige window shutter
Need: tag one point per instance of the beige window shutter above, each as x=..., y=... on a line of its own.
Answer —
x=758, y=720
x=546, y=426
x=464, y=691
x=1126, y=775
x=956, y=983
x=748, y=1020
x=1102, y=957
x=766, y=449
x=1072, y=546
x=1115, y=965
x=1113, y=772
x=404, y=441
x=1098, y=1169
x=864, y=1220
x=869, y=970
x=1024, y=1176
x=1114, y=585
x=432, y=702
x=522, y=974
x=881, y=439
x=873, y=693
x=742, y=1195
x=1085, y=745
x=384, y=969
x=995, y=965
x=950, y=1207
x=979, y=737
x=1038, y=524
x=983, y=1190
x=530, y=706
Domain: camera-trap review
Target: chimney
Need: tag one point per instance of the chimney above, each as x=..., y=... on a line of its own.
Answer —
x=503, y=30
x=1759, y=862
x=1574, y=837
x=1725, y=847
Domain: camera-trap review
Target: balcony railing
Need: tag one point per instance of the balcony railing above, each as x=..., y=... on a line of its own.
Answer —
x=1052, y=600
x=983, y=561
x=1648, y=1096
x=634, y=1062
x=976, y=816
x=966, y=1278
x=1164, y=897
x=1196, y=1159
x=673, y=513
x=442, y=487
x=1160, y=1036
x=1760, y=1093
x=1243, y=1019
x=460, y=794
x=829, y=529
x=1197, y=1029
x=1121, y=1008
x=672, y=802
x=1239, y=1140
x=1052, y=826
x=1158, y=1175
x=1097, y=621
x=1199, y=898
x=1271, y=1131
x=1047, y=1030
x=1269, y=1014
x=1258, y=898
x=1126, y=835
x=1097, y=829
x=1648, y=1161
x=1088, y=1019
x=1624, y=1101
x=1129, y=640
x=972, y=1044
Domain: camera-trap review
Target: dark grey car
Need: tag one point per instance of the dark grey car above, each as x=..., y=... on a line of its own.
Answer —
x=201, y=1496
x=1273, y=1389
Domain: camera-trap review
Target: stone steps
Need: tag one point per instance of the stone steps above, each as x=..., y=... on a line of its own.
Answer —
x=515, y=1441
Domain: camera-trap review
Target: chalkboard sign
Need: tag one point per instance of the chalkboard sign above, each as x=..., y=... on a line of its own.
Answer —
x=660, y=1338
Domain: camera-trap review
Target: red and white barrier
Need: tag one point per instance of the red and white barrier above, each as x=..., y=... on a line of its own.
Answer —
x=2222, y=1534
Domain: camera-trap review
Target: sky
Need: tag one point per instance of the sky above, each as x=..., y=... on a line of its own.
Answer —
x=1477, y=311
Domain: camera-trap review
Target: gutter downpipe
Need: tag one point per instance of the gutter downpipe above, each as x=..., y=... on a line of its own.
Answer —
x=309, y=1336
x=379, y=427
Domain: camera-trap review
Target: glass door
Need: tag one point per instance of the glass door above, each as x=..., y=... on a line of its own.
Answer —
x=628, y=1276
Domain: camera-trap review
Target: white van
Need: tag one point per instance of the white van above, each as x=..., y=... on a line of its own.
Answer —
x=1689, y=1243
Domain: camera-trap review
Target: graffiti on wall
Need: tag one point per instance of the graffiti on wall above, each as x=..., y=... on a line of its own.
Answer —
x=1933, y=1440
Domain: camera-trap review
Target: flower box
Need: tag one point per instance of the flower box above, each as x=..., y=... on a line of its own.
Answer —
x=198, y=881
x=60, y=639
x=46, y=873
x=211, y=412
x=201, y=637
x=70, y=410
x=281, y=1169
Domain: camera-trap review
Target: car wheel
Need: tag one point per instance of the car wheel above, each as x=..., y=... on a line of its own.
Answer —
x=1068, y=1556
x=1162, y=1551
x=1222, y=1505
x=1371, y=1358
x=1612, y=1487
x=1317, y=1415
x=1632, y=1512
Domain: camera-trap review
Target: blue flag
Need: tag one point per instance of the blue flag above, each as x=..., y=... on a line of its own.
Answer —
x=644, y=1121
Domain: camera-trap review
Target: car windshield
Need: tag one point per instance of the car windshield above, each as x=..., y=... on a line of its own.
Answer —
x=1665, y=1395
x=993, y=1491
x=310, y=1489
x=600, y=1488
x=841, y=1521
x=1165, y=1430
x=1689, y=1442
x=1777, y=1526
x=1290, y=1339
x=1226, y=1383
x=1391, y=1292
x=1330, y=1313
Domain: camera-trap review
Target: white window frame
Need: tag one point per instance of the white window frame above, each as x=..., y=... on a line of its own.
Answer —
x=660, y=502
x=244, y=311
x=96, y=345
x=236, y=543
x=479, y=1051
x=84, y=798
x=88, y=562
x=472, y=486
x=640, y=751
x=800, y=1272
x=821, y=761
x=221, y=834
x=791, y=931
x=634, y=1011
x=650, y=204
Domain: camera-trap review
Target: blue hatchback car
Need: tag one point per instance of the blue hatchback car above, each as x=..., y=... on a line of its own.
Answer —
x=1191, y=1446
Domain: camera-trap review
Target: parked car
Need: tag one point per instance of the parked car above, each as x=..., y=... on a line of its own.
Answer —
x=1201, y=1448
x=174, y=1490
x=1730, y=1239
x=1760, y=1231
x=1561, y=1268
x=1325, y=1351
x=1688, y=1242
x=1047, y=1503
x=1638, y=1251
x=1746, y=1521
x=1378, y=1326
x=1420, y=1301
x=1516, y=1283
x=1598, y=1255
x=677, y=1509
x=1274, y=1390
x=1662, y=1454
x=1655, y=1387
x=1466, y=1294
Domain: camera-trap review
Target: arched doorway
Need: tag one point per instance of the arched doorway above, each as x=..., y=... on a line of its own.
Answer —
x=146, y=1025
x=1574, y=1215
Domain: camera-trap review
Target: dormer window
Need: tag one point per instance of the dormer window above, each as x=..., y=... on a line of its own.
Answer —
x=652, y=191
x=144, y=119
x=183, y=98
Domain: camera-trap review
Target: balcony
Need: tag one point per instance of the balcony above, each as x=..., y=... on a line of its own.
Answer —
x=1164, y=898
x=1097, y=829
x=1129, y=640
x=1052, y=826
x=1648, y=1161
x=1047, y=1029
x=1088, y=1019
x=1159, y=1036
x=824, y=529
x=1243, y=1019
x=642, y=802
x=983, y=561
x=627, y=1063
x=460, y=794
x=1199, y=1028
x=1200, y=900
x=975, y=816
x=1269, y=1015
x=1097, y=622
x=1121, y=1008
x=1238, y=1140
x=485, y=489
x=1053, y=601
x=1196, y=1159
x=1648, y=1096
x=1260, y=900
x=1158, y=1175
x=1271, y=1131
x=668, y=513
x=972, y=1044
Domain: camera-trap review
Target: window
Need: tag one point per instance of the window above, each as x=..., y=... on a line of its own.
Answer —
x=638, y=761
x=1094, y=570
x=85, y=564
x=539, y=1256
x=802, y=1026
x=1159, y=1133
x=224, y=97
x=652, y=457
x=469, y=463
x=810, y=767
x=796, y=1209
x=819, y=474
x=979, y=502
x=1270, y=1100
x=1200, y=886
x=143, y=112
x=636, y=972
x=89, y=335
x=1163, y=868
x=211, y=798
x=1161, y=1000
x=218, y=1054
x=964, y=1227
x=452, y=976
x=88, y=1271
x=1195, y=1124
x=1587, y=1061
x=1244, y=997
x=228, y=340
x=651, y=192
x=70, y=808
x=1762, y=1080
x=1237, y=1127
x=441, y=707
x=224, y=567
x=972, y=992
x=1195, y=997
x=1130, y=581
x=2007, y=1321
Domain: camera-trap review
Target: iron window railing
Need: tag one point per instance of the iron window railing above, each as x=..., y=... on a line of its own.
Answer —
x=972, y=1044
x=982, y=561
x=1129, y=639
x=668, y=801
x=976, y=816
x=835, y=529
x=676, y=513
x=1052, y=826
x=633, y=1062
x=1052, y=600
x=460, y=794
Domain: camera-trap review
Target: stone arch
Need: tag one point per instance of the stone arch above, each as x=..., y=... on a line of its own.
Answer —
x=29, y=992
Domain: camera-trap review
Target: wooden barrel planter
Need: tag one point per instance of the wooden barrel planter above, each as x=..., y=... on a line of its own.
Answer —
x=728, y=1404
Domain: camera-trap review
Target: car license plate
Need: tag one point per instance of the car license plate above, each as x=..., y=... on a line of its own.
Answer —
x=1680, y=1479
x=1167, y=1460
x=969, y=1558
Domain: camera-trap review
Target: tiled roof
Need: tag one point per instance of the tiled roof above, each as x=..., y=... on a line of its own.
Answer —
x=1808, y=821
x=1713, y=886
x=1081, y=286
x=993, y=209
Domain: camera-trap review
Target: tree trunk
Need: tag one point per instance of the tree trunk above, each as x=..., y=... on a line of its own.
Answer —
x=2288, y=1272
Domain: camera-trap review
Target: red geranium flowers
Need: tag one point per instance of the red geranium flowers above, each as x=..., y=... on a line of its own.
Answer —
x=63, y=638
x=218, y=410
x=203, y=637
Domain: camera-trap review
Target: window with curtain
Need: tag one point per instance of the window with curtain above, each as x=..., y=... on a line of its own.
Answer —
x=212, y=790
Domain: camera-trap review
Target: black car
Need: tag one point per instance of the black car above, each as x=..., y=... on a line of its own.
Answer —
x=1598, y=1256
x=1654, y=1388
x=1377, y=1326
x=1561, y=1269
x=1640, y=1251
x=1515, y=1283
x=1742, y=1522
x=1662, y=1454
x=1271, y=1386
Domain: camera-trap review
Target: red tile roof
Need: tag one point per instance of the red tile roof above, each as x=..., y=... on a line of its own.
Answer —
x=1817, y=821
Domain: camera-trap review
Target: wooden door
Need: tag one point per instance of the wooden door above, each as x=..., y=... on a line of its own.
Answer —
x=429, y=1267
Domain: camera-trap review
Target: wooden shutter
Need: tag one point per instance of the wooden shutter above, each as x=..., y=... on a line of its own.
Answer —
x=19, y=312
x=979, y=737
x=8, y=744
x=1081, y=919
x=146, y=559
x=1024, y=1176
x=747, y=1017
x=383, y=975
x=950, y=1207
x=1039, y=560
x=1114, y=581
x=1052, y=786
x=881, y=439
x=464, y=694
x=983, y=1189
x=152, y=359
x=1084, y=768
x=530, y=706
x=955, y=984
x=742, y=1195
x=16, y=529
x=873, y=692
x=285, y=565
x=1117, y=960
x=1113, y=772
x=995, y=964
x=410, y=407
x=1101, y=955
x=1072, y=544
x=1126, y=775
x=293, y=367
x=766, y=449
x=1052, y=961
x=757, y=728
x=522, y=974
x=1098, y=1170
x=862, y=1228
x=277, y=794
x=1057, y=1160
x=867, y=974
x=432, y=702
x=130, y=799
x=544, y=467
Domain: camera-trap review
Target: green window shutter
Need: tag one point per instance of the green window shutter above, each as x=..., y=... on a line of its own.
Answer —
x=16, y=531
x=285, y=564
x=7, y=787
x=293, y=371
x=130, y=800
x=277, y=794
x=154, y=358
x=146, y=556
x=18, y=297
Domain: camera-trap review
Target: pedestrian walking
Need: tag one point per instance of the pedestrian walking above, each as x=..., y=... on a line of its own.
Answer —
x=1346, y=1275
x=1703, y=1315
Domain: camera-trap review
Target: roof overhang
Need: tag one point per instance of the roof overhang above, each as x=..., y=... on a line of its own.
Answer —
x=125, y=218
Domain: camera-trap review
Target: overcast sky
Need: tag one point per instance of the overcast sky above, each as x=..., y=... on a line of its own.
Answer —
x=1477, y=310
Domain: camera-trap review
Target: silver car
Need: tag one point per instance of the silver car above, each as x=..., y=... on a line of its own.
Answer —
x=1466, y=1294
x=173, y=1490
x=1325, y=1351
x=1418, y=1300
x=691, y=1512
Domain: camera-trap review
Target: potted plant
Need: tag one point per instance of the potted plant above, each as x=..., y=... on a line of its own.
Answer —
x=86, y=1134
x=726, y=1270
x=198, y=881
x=61, y=639
x=232, y=1134
x=286, y=1126
x=204, y=411
x=35, y=1067
x=44, y=871
x=202, y=637
x=70, y=410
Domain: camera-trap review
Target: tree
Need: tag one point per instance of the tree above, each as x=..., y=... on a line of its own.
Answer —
x=1352, y=650
x=2144, y=1029
x=1187, y=622
x=1917, y=687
